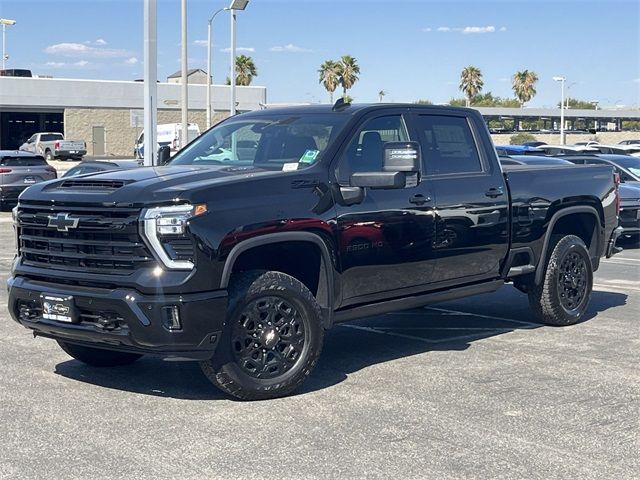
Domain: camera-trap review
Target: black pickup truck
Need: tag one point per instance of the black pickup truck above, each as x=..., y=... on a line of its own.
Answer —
x=275, y=225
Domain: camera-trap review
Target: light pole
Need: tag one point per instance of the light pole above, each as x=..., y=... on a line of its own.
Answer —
x=209, y=75
x=562, y=81
x=235, y=5
x=5, y=22
x=185, y=87
x=150, y=82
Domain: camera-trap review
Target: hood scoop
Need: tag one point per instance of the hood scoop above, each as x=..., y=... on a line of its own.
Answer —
x=93, y=184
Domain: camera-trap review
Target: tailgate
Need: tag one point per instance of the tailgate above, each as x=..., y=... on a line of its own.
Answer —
x=71, y=145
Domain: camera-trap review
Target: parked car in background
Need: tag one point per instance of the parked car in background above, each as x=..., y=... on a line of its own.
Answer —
x=629, y=218
x=19, y=170
x=534, y=144
x=168, y=134
x=568, y=149
x=533, y=160
x=518, y=150
x=619, y=149
x=52, y=145
x=94, y=166
x=587, y=144
x=626, y=166
x=629, y=142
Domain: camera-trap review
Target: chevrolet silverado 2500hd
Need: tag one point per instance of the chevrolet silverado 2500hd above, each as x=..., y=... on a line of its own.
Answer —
x=316, y=215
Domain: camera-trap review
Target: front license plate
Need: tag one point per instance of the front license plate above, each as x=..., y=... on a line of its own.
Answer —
x=59, y=308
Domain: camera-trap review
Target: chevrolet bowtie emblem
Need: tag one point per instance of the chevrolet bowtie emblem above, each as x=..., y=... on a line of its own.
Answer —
x=62, y=222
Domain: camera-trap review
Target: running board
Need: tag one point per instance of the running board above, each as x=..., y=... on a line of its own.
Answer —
x=415, y=301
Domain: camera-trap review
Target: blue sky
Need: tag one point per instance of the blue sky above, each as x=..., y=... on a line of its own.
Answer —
x=411, y=49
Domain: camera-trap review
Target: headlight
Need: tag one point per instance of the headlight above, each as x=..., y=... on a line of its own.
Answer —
x=165, y=228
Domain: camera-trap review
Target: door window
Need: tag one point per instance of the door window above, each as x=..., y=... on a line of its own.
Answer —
x=365, y=152
x=448, y=145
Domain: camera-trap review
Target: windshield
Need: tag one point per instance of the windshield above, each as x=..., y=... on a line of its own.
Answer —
x=276, y=142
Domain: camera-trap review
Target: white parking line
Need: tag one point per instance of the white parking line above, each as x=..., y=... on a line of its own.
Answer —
x=457, y=312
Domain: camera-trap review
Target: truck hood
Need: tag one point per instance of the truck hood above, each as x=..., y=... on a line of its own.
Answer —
x=140, y=186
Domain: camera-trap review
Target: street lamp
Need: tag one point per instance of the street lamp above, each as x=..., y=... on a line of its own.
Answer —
x=209, y=64
x=235, y=5
x=4, y=22
x=562, y=81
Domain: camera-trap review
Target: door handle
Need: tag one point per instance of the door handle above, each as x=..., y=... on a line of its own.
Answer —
x=419, y=199
x=494, y=192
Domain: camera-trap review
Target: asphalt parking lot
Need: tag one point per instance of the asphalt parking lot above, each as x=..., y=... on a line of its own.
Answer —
x=466, y=389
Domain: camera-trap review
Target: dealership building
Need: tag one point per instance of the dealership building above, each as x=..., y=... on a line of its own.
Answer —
x=107, y=115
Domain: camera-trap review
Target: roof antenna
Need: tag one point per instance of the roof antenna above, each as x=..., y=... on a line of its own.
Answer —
x=340, y=105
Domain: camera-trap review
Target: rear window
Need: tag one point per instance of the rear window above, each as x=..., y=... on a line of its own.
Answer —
x=22, y=161
x=448, y=145
x=50, y=137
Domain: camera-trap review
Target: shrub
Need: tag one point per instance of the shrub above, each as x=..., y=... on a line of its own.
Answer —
x=520, y=138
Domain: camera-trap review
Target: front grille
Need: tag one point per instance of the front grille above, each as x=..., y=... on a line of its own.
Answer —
x=104, y=240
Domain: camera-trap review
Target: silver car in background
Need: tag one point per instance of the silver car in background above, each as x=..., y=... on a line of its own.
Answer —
x=19, y=170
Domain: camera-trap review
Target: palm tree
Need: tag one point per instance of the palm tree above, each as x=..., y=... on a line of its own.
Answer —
x=330, y=76
x=524, y=85
x=381, y=95
x=349, y=71
x=471, y=82
x=245, y=71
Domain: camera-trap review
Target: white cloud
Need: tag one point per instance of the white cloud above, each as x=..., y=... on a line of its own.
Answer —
x=55, y=64
x=239, y=50
x=503, y=29
x=290, y=47
x=81, y=63
x=487, y=29
x=78, y=64
x=131, y=61
x=636, y=80
x=443, y=29
x=428, y=29
x=79, y=49
x=200, y=43
x=100, y=41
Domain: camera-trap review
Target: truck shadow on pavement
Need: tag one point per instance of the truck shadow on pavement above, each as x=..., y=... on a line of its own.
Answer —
x=350, y=347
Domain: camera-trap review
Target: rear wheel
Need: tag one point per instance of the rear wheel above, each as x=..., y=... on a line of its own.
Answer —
x=97, y=357
x=272, y=339
x=563, y=296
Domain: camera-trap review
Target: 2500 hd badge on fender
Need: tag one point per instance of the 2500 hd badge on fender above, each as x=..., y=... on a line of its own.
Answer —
x=275, y=225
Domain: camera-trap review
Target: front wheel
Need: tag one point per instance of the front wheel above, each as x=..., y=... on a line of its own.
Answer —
x=48, y=155
x=97, y=357
x=563, y=296
x=272, y=339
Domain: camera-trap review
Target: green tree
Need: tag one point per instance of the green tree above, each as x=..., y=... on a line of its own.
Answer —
x=349, y=71
x=458, y=102
x=471, y=83
x=520, y=138
x=330, y=76
x=423, y=101
x=381, y=95
x=524, y=83
x=245, y=71
x=579, y=104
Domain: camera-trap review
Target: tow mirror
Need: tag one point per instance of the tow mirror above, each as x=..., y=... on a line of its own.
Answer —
x=164, y=155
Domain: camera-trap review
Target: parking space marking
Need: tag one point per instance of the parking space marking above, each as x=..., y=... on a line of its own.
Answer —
x=622, y=261
x=379, y=331
x=620, y=285
x=490, y=317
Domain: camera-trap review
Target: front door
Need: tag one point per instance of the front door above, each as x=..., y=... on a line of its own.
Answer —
x=385, y=240
x=471, y=200
x=99, y=147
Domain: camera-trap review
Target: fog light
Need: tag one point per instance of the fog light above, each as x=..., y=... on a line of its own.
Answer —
x=171, y=318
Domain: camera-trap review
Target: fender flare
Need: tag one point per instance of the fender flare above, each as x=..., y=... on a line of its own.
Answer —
x=552, y=223
x=326, y=271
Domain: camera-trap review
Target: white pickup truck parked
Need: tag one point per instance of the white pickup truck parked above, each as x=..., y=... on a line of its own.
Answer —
x=52, y=145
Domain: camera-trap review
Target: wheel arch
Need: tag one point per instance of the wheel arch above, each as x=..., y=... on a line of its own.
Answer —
x=589, y=222
x=324, y=275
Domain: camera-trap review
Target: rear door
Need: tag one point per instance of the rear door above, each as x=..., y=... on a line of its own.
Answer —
x=384, y=242
x=471, y=200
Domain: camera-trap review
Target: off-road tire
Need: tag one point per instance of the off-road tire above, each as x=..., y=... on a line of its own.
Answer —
x=548, y=300
x=252, y=290
x=97, y=357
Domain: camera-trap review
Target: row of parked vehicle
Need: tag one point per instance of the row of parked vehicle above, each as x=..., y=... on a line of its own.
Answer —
x=626, y=166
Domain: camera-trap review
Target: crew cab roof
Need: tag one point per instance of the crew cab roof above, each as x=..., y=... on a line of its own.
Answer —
x=353, y=109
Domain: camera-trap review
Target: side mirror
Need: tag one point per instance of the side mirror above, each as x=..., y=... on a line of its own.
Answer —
x=164, y=155
x=402, y=157
x=385, y=180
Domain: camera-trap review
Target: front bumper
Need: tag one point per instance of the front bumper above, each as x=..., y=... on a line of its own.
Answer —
x=123, y=319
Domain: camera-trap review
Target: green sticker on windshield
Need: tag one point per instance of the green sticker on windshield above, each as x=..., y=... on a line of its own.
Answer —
x=309, y=156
